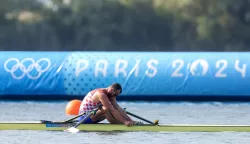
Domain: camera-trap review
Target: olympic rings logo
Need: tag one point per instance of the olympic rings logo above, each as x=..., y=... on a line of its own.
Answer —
x=26, y=70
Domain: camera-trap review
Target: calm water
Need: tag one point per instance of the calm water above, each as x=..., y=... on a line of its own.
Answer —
x=167, y=113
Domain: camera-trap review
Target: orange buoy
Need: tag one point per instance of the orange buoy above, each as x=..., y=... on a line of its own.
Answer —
x=72, y=107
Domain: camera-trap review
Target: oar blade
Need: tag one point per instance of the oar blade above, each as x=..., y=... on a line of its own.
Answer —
x=72, y=130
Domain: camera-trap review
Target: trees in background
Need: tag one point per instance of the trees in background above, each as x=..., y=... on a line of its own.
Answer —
x=126, y=25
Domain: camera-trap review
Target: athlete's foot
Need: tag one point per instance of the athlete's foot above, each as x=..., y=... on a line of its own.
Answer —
x=128, y=123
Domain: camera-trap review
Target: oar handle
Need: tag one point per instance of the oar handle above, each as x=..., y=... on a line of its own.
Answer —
x=99, y=106
x=91, y=113
x=74, y=118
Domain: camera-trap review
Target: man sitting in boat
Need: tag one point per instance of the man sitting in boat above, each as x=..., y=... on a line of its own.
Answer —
x=110, y=109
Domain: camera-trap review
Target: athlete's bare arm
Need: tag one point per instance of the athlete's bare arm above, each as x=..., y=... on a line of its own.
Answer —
x=121, y=111
x=108, y=106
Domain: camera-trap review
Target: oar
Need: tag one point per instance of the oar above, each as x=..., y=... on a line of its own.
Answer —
x=156, y=122
x=74, y=128
x=66, y=121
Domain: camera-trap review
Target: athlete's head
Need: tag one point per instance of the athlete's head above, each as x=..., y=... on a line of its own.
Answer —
x=115, y=89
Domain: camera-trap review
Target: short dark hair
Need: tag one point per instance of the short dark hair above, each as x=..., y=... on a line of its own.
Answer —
x=117, y=86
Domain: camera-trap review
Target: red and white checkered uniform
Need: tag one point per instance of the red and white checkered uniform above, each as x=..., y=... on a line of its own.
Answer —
x=87, y=104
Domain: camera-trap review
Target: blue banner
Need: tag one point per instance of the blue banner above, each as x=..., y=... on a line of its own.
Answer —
x=146, y=73
x=31, y=73
x=140, y=73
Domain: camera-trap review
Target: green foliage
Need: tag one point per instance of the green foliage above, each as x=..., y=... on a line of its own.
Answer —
x=125, y=25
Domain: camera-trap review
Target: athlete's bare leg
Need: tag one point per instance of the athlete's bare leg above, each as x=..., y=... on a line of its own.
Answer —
x=102, y=115
x=98, y=117
x=111, y=118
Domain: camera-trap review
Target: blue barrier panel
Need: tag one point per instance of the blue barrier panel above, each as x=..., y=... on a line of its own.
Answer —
x=31, y=73
x=146, y=73
x=140, y=73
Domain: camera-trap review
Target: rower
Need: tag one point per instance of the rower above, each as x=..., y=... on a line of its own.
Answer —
x=110, y=109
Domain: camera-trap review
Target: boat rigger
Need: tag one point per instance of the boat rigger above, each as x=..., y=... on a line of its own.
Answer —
x=105, y=127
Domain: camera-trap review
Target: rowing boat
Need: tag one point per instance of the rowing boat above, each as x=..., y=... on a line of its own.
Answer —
x=104, y=127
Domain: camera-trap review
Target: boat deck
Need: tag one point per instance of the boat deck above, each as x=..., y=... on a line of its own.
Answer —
x=59, y=126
